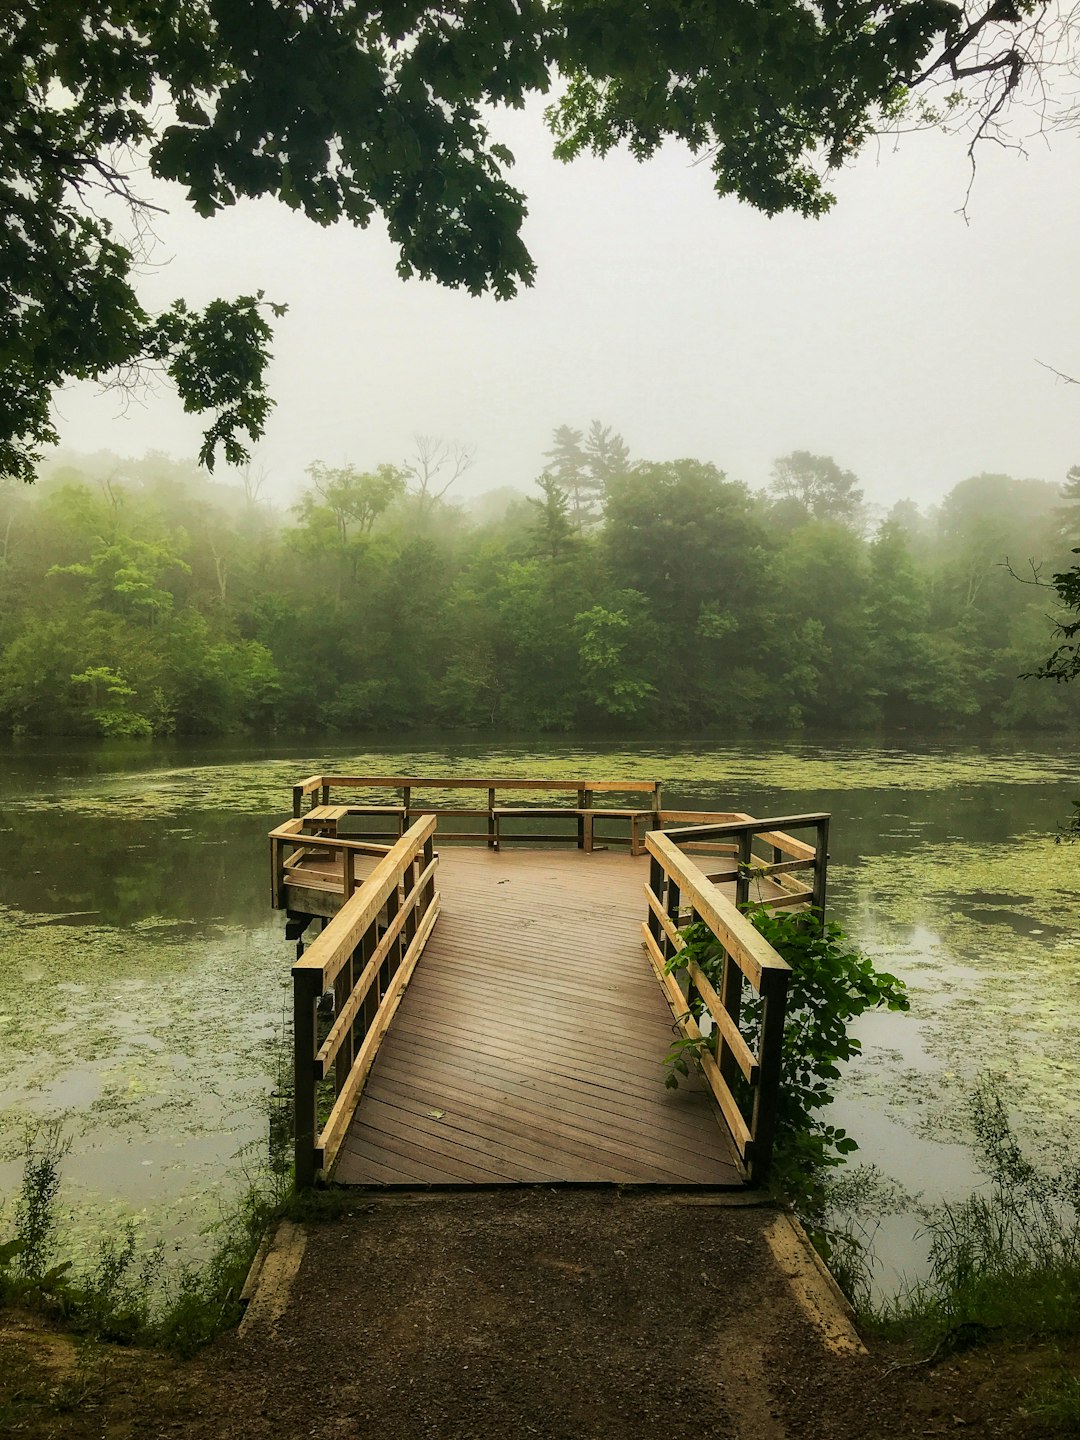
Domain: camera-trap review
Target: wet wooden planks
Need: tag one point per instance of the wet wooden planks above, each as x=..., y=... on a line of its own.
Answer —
x=528, y=1047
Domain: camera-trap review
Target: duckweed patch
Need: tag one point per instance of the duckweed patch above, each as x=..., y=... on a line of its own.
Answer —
x=263, y=786
x=156, y=1049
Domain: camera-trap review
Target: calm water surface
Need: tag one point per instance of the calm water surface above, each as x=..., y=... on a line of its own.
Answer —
x=142, y=973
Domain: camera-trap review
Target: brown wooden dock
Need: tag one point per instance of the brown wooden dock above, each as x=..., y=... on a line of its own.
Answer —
x=528, y=1047
x=469, y=1015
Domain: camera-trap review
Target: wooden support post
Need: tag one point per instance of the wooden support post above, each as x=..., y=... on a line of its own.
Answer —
x=731, y=982
x=406, y=800
x=821, y=869
x=409, y=880
x=348, y=866
x=672, y=907
x=305, y=1047
x=656, y=885
x=581, y=819
x=588, y=822
x=427, y=895
x=368, y=942
x=742, y=880
x=343, y=1060
x=297, y=800
x=657, y=806
x=393, y=955
x=276, y=862
x=770, y=1056
x=325, y=795
x=493, y=839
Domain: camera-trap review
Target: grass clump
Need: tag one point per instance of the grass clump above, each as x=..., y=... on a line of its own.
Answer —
x=1005, y=1261
x=1004, y=1266
x=125, y=1296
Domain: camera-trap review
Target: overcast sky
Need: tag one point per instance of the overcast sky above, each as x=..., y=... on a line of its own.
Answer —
x=891, y=334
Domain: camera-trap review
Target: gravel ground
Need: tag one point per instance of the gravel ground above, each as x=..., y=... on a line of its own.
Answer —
x=565, y=1315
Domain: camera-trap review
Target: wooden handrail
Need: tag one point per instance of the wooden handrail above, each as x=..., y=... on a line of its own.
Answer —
x=676, y=886
x=450, y=782
x=579, y=805
x=366, y=955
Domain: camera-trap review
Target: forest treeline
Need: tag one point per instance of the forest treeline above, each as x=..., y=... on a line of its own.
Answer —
x=142, y=598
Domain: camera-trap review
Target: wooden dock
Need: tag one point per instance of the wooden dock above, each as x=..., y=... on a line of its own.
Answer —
x=509, y=1027
x=529, y=1046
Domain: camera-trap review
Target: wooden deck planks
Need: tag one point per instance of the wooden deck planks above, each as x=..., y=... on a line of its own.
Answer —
x=528, y=1046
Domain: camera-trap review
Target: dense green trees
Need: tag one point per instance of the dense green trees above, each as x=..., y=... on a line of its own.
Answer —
x=137, y=598
x=348, y=111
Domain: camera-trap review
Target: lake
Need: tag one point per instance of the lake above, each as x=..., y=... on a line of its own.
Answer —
x=143, y=974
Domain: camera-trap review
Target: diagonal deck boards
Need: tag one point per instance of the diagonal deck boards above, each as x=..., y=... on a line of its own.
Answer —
x=528, y=1046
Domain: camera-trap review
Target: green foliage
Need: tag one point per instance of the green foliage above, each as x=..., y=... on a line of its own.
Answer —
x=831, y=985
x=125, y=1296
x=814, y=487
x=345, y=112
x=138, y=597
x=1005, y=1262
x=35, y=1217
x=1063, y=664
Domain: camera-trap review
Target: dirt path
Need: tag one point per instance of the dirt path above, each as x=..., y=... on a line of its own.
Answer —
x=556, y=1314
x=564, y=1315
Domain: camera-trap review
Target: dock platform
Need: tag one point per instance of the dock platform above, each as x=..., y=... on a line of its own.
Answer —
x=469, y=1015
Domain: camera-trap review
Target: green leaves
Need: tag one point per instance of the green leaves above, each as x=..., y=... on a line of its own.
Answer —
x=831, y=985
x=348, y=112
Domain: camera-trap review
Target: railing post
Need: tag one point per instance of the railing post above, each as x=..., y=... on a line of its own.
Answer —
x=305, y=1047
x=821, y=868
x=297, y=801
x=393, y=955
x=673, y=901
x=731, y=983
x=348, y=865
x=656, y=885
x=742, y=880
x=276, y=855
x=343, y=985
x=408, y=881
x=491, y=820
x=326, y=794
x=770, y=1061
x=581, y=819
x=428, y=893
x=368, y=942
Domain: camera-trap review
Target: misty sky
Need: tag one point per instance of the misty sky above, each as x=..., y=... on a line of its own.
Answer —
x=890, y=334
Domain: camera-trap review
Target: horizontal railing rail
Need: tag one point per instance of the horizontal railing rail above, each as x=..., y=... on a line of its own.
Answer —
x=365, y=956
x=579, y=805
x=679, y=893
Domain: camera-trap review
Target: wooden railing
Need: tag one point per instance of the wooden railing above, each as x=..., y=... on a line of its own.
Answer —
x=679, y=893
x=366, y=956
x=785, y=855
x=290, y=845
x=577, y=802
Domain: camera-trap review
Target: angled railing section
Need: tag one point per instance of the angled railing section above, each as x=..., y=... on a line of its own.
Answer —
x=365, y=956
x=777, y=858
x=291, y=845
x=745, y=1081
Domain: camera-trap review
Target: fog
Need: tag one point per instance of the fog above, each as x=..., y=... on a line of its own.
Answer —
x=897, y=333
